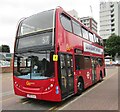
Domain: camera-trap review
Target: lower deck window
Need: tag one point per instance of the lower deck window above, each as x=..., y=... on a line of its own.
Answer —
x=82, y=62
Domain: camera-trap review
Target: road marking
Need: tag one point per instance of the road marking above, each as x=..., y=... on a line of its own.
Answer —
x=26, y=102
x=7, y=77
x=85, y=93
x=7, y=99
x=60, y=107
x=6, y=93
x=53, y=108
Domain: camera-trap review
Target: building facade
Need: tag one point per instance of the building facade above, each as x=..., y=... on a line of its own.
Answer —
x=6, y=56
x=74, y=13
x=90, y=23
x=109, y=19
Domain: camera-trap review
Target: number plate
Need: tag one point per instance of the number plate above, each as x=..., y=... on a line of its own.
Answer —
x=31, y=96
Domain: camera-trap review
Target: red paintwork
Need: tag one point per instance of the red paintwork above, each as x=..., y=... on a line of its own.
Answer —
x=63, y=40
x=37, y=88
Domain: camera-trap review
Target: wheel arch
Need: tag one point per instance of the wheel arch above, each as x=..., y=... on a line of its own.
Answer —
x=81, y=78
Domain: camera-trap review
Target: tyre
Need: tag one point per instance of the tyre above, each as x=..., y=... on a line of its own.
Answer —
x=80, y=87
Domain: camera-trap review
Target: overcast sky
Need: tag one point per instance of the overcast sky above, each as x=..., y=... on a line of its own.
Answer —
x=11, y=11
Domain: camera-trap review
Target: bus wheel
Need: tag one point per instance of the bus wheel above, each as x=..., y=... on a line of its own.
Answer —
x=80, y=87
x=101, y=77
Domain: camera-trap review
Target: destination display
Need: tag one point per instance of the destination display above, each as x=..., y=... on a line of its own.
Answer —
x=92, y=48
x=35, y=40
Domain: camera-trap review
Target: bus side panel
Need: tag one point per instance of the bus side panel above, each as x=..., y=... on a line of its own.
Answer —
x=98, y=69
x=87, y=77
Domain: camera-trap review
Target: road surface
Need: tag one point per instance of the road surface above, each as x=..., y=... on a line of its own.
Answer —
x=101, y=96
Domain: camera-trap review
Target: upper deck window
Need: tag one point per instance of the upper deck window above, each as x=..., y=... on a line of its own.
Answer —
x=37, y=22
x=95, y=38
x=91, y=37
x=66, y=22
x=85, y=33
x=76, y=28
x=101, y=42
x=98, y=40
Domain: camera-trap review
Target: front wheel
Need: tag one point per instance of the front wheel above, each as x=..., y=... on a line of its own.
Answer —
x=80, y=87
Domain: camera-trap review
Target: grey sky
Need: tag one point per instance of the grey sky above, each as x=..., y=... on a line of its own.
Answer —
x=11, y=11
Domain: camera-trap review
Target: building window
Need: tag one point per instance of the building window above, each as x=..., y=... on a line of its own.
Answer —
x=113, y=29
x=112, y=20
x=112, y=10
x=112, y=5
x=112, y=15
x=112, y=24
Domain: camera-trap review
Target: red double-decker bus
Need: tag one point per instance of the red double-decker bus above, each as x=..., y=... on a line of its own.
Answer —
x=56, y=56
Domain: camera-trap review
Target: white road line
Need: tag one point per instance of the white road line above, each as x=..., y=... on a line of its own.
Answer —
x=7, y=77
x=6, y=93
x=7, y=99
x=86, y=92
x=26, y=102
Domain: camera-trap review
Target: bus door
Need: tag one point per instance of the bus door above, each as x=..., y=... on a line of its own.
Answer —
x=66, y=74
x=94, y=75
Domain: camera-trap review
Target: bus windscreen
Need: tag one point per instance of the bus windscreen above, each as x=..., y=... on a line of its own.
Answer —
x=34, y=65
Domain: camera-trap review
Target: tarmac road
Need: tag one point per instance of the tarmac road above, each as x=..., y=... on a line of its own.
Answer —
x=101, y=96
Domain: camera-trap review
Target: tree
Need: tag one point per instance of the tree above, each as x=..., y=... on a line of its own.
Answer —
x=113, y=45
x=5, y=48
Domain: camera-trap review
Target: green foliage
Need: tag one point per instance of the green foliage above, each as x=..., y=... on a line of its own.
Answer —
x=113, y=45
x=5, y=48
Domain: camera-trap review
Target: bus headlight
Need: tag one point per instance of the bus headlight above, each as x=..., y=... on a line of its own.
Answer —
x=49, y=87
x=16, y=84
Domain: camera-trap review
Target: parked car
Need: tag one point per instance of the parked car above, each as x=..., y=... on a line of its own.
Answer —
x=4, y=63
x=108, y=62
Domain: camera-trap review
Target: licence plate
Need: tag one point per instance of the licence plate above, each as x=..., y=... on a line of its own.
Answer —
x=31, y=96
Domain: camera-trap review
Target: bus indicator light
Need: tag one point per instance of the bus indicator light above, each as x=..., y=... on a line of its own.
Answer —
x=55, y=57
x=57, y=91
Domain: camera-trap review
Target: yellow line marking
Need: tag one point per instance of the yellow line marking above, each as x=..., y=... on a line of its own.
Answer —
x=52, y=108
